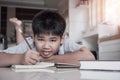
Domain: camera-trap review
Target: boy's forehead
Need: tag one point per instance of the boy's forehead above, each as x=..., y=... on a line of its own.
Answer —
x=47, y=35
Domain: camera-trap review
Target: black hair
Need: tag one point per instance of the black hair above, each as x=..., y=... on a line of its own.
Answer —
x=48, y=22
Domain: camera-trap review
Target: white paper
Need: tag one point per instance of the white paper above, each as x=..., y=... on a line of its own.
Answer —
x=39, y=67
x=33, y=70
x=100, y=65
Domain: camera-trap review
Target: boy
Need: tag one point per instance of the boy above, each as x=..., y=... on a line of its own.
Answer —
x=48, y=41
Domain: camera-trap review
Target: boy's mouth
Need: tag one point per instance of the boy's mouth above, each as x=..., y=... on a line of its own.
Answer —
x=46, y=54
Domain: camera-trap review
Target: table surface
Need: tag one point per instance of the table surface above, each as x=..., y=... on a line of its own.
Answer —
x=61, y=74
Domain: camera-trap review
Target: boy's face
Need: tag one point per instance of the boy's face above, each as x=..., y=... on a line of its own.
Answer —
x=47, y=45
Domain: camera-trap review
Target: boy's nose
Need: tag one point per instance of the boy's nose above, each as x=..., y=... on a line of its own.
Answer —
x=46, y=45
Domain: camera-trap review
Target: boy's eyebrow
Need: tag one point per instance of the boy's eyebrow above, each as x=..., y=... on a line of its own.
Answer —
x=53, y=38
x=50, y=38
x=40, y=36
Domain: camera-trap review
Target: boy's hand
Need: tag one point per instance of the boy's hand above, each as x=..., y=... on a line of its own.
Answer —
x=31, y=57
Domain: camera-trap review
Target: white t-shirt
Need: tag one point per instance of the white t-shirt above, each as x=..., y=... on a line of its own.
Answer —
x=67, y=46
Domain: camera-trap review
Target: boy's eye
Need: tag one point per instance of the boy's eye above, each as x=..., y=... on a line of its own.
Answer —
x=53, y=40
x=40, y=39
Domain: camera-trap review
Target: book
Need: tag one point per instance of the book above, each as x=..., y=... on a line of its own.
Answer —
x=39, y=67
x=67, y=65
x=33, y=70
x=36, y=66
x=42, y=67
x=100, y=65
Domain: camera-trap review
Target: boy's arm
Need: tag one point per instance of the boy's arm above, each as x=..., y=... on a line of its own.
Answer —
x=30, y=57
x=9, y=59
x=82, y=54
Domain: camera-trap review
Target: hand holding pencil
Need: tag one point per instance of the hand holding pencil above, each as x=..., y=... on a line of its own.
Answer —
x=30, y=56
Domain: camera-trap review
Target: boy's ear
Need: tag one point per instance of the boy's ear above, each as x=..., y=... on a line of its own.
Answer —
x=62, y=39
x=65, y=35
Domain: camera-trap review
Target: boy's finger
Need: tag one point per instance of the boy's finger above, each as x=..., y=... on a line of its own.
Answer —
x=35, y=57
x=32, y=61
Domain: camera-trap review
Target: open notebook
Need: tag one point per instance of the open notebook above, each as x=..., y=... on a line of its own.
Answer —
x=43, y=67
x=39, y=67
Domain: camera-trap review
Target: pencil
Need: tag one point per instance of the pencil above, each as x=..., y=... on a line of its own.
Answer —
x=25, y=39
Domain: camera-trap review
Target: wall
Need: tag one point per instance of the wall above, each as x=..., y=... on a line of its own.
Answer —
x=96, y=13
x=0, y=19
x=78, y=19
x=109, y=26
x=10, y=28
x=63, y=10
x=1, y=46
x=112, y=12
